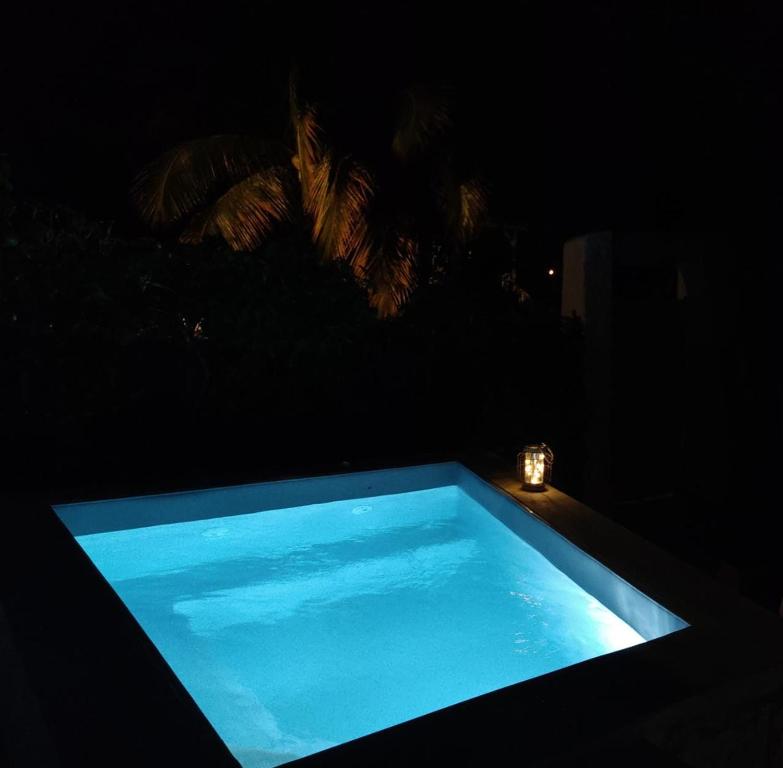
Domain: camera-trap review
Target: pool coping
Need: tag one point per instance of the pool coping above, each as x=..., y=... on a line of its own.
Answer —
x=731, y=655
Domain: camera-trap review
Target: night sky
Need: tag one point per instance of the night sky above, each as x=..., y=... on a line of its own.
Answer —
x=579, y=115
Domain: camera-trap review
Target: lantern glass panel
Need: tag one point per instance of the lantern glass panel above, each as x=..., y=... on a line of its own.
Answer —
x=534, y=468
x=534, y=465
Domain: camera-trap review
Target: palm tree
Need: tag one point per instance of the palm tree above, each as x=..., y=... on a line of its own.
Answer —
x=241, y=188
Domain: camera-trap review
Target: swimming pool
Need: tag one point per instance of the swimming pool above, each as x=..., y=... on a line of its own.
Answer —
x=303, y=614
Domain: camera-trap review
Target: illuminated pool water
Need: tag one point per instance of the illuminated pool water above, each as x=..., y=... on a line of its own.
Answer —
x=297, y=625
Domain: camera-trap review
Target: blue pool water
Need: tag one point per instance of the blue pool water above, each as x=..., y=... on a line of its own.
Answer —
x=298, y=628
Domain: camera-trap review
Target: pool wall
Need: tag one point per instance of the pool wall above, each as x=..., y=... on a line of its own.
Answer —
x=642, y=613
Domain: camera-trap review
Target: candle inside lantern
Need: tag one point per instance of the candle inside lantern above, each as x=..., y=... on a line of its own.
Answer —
x=534, y=466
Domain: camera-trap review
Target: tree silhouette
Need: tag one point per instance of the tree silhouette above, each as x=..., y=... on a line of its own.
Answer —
x=382, y=220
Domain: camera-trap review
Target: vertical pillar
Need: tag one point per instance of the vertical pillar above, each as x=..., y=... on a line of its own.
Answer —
x=587, y=295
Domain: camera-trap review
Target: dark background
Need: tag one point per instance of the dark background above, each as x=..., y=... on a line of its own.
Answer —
x=585, y=115
x=581, y=117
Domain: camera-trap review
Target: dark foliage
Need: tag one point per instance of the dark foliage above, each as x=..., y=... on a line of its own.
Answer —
x=128, y=360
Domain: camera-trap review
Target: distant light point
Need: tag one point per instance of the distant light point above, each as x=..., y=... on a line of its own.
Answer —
x=551, y=272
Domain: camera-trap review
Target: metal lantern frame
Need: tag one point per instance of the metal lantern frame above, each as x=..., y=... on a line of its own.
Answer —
x=535, y=448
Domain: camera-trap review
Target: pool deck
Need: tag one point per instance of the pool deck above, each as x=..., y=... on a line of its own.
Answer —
x=81, y=686
x=732, y=710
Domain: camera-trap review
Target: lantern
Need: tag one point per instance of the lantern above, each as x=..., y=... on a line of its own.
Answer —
x=534, y=466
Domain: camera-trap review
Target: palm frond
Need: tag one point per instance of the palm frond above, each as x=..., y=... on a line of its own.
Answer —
x=294, y=106
x=423, y=117
x=463, y=206
x=337, y=202
x=309, y=149
x=390, y=274
x=472, y=208
x=307, y=138
x=181, y=180
x=245, y=214
x=201, y=226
